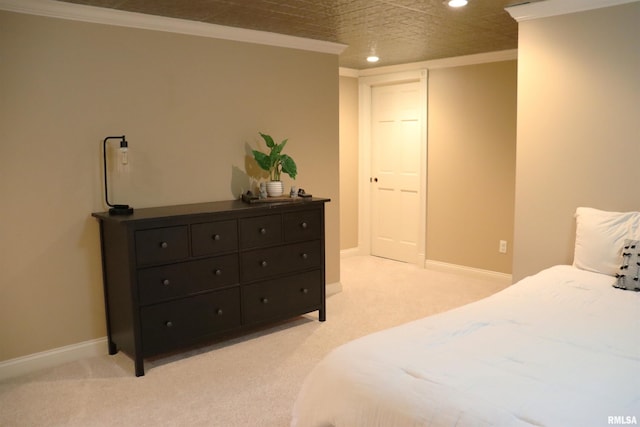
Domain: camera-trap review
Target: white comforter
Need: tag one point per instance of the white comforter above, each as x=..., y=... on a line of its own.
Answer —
x=561, y=348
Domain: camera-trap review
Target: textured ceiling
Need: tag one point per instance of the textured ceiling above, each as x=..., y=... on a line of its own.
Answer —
x=400, y=31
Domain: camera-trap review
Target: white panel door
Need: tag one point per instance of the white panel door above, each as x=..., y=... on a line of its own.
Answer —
x=396, y=131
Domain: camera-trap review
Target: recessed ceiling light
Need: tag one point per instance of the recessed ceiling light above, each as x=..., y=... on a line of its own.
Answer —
x=457, y=3
x=372, y=58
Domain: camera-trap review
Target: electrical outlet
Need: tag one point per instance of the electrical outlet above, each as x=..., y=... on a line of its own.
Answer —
x=503, y=247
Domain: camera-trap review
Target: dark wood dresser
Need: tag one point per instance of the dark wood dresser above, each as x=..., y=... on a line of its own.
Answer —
x=176, y=276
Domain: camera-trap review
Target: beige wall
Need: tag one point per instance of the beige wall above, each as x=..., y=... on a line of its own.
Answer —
x=348, y=162
x=191, y=109
x=578, y=127
x=471, y=164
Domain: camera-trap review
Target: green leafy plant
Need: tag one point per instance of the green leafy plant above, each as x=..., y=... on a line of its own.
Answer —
x=275, y=162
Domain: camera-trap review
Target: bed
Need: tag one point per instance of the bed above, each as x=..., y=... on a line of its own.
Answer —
x=559, y=348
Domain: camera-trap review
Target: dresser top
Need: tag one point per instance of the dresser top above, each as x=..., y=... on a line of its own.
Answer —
x=162, y=212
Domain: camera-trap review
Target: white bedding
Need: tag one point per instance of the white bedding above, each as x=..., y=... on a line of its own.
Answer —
x=561, y=348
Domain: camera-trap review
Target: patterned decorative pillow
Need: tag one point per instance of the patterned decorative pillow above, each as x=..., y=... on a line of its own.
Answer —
x=628, y=277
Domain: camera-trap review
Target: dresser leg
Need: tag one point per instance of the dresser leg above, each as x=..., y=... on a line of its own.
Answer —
x=112, y=347
x=139, y=364
x=322, y=315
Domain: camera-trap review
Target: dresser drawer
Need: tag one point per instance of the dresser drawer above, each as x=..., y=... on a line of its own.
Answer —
x=260, y=231
x=162, y=245
x=288, y=296
x=214, y=237
x=304, y=225
x=263, y=263
x=182, y=322
x=157, y=284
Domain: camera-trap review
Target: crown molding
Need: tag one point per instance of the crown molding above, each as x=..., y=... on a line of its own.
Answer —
x=456, y=61
x=529, y=10
x=99, y=15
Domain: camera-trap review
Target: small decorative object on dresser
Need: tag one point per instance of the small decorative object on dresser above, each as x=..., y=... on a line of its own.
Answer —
x=275, y=163
x=176, y=276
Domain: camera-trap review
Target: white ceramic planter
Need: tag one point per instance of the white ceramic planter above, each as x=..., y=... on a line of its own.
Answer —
x=275, y=188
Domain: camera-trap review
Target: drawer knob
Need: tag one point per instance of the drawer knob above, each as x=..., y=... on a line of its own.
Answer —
x=164, y=245
x=166, y=282
x=216, y=237
x=263, y=264
x=304, y=224
x=217, y=272
x=304, y=290
x=304, y=256
x=265, y=300
x=219, y=312
x=169, y=324
x=263, y=230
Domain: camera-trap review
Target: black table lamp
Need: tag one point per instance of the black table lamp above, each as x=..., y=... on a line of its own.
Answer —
x=114, y=209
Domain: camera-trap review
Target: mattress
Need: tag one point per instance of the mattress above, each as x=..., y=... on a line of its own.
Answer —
x=560, y=348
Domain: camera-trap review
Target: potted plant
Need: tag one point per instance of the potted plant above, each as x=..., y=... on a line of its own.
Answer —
x=275, y=163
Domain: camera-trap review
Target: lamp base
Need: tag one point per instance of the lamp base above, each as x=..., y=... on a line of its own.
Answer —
x=121, y=210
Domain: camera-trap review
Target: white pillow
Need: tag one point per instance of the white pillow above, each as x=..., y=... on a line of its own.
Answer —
x=599, y=237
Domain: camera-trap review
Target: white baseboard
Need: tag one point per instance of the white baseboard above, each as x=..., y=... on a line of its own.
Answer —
x=346, y=253
x=441, y=266
x=58, y=356
x=50, y=358
x=470, y=271
x=333, y=288
x=98, y=347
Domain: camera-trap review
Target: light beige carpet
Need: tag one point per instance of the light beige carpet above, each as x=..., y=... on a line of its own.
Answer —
x=249, y=381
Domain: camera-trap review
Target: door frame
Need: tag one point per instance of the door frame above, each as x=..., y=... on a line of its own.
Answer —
x=366, y=85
